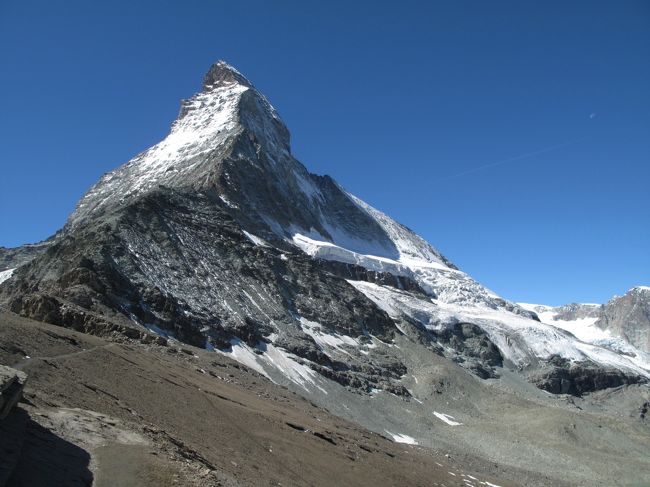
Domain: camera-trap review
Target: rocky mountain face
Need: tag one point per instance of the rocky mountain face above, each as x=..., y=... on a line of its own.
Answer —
x=218, y=237
x=11, y=258
x=621, y=326
x=628, y=316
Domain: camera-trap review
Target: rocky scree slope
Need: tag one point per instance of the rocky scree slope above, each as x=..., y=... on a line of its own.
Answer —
x=219, y=237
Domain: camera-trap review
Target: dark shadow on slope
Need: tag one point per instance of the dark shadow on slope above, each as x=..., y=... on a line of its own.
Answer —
x=49, y=460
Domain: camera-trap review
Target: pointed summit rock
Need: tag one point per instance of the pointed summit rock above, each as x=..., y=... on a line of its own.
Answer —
x=230, y=141
x=221, y=73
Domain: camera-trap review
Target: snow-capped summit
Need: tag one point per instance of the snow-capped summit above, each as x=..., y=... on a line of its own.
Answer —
x=206, y=124
x=640, y=289
x=230, y=140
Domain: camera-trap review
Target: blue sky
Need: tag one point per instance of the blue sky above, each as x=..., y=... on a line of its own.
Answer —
x=513, y=135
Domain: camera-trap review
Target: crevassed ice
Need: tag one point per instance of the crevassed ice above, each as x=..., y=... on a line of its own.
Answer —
x=585, y=330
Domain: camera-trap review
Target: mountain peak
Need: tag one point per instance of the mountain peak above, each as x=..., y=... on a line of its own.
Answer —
x=221, y=73
x=640, y=288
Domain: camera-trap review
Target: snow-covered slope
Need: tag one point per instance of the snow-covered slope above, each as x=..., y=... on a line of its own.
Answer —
x=454, y=297
x=521, y=340
x=414, y=258
x=580, y=323
x=581, y=320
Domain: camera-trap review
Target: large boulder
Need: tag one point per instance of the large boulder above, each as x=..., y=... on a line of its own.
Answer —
x=12, y=382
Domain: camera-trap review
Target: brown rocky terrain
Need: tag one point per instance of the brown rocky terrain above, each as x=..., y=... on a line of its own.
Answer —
x=114, y=410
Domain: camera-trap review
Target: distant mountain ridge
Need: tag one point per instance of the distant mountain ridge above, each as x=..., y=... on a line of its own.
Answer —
x=626, y=317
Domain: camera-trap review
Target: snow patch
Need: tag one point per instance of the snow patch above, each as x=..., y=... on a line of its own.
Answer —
x=4, y=275
x=159, y=331
x=294, y=371
x=639, y=288
x=243, y=354
x=325, y=339
x=322, y=249
x=399, y=438
x=267, y=357
x=446, y=419
x=227, y=202
x=256, y=240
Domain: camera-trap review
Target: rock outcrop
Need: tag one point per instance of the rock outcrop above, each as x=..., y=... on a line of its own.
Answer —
x=563, y=377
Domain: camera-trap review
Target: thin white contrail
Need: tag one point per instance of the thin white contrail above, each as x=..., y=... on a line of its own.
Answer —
x=515, y=158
